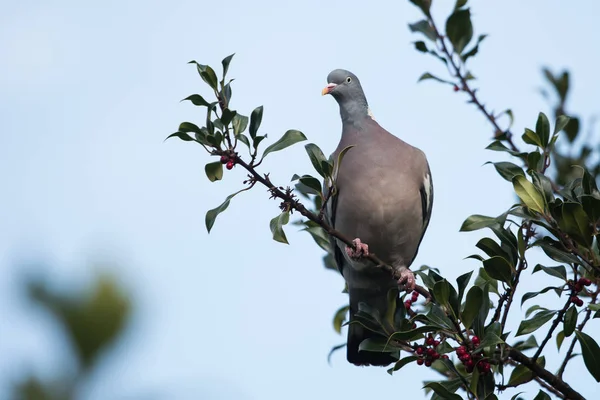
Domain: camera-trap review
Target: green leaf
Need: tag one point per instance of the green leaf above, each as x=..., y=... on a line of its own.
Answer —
x=491, y=248
x=240, y=122
x=442, y=391
x=542, y=129
x=377, y=345
x=462, y=282
x=490, y=339
x=424, y=5
x=413, y=333
x=339, y=318
x=227, y=116
x=311, y=182
x=333, y=350
x=557, y=254
x=530, y=295
x=499, y=146
x=558, y=272
x=591, y=354
x=226, y=61
x=473, y=304
x=289, y=138
x=542, y=396
x=255, y=120
x=534, y=161
x=214, y=171
x=530, y=137
x=340, y=158
x=459, y=4
x=459, y=29
x=421, y=46
x=544, y=185
x=197, y=100
x=508, y=170
x=498, y=268
x=533, y=324
x=427, y=75
x=425, y=28
x=316, y=157
x=530, y=196
x=475, y=222
x=437, y=316
x=401, y=363
x=244, y=139
x=560, y=338
x=276, y=226
x=474, y=50
x=211, y=215
x=561, y=123
x=441, y=292
x=575, y=222
x=207, y=74
x=528, y=344
x=181, y=135
x=570, y=321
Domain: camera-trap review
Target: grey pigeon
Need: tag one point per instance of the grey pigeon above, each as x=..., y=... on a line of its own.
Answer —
x=384, y=200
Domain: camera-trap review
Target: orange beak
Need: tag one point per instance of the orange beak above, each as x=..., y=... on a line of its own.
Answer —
x=327, y=89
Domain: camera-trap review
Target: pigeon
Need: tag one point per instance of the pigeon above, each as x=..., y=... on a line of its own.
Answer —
x=383, y=199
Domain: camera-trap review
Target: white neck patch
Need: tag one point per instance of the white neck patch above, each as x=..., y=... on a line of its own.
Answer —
x=370, y=113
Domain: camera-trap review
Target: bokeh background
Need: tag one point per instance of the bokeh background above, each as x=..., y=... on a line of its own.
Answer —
x=88, y=92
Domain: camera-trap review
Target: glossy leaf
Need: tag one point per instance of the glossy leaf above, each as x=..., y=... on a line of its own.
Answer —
x=499, y=268
x=462, y=282
x=227, y=116
x=276, y=225
x=197, y=100
x=473, y=304
x=531, y=137
x=475, y=222
x=316, y=157
x=530, y=196
x=423, y=27
x=211, y=215
x=401, y=363
x=181, y=135
x=561, y=122
x=226, y=61
x=340, y=158
x=421, y=46
x=530, y=295
x=508, y=170
x=521, y=374
x=575, y=222
x=459, y=29
x=442, y=391
x=465, y=56
x=437, y=316
x=560, y=337
x=491, y=248
x=240, y=122
x=413, y=333
x=339, y=318
x=542, y=129
x=255, y=121
x=558, y=271
x=214, y=171
x=311, y=182
x=591, y=354
x=530, y=343
x=542, y=396
x=533, y=324
x=289, y=138
x=570, y=321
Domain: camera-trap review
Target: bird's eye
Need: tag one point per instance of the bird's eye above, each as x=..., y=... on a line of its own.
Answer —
x=348, y=79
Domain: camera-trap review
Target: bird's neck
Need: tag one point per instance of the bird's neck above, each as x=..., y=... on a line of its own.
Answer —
x=354, y=112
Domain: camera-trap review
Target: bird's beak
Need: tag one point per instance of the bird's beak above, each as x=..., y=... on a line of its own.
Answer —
x=327, y=89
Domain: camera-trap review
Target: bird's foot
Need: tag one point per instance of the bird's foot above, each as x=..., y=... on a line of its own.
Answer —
x=407, y=279
x=360, y=249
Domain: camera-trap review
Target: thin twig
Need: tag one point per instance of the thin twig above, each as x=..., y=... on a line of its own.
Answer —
x=555, y=323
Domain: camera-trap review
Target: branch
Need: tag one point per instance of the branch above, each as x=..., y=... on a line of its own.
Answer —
x=580, y=327
x=545, y=375
x=296, y=205
x=555, y=323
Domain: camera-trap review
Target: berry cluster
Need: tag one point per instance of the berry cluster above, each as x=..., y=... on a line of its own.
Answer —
x=229, y=161
x=471, y=360
x=412, y=300
x=427, y=353
x=577, y=287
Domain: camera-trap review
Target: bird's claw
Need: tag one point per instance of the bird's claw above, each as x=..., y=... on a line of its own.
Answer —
x=360, y=249
x=407, y=280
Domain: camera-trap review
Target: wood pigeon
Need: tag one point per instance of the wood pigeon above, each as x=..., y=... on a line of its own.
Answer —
x=384, y=199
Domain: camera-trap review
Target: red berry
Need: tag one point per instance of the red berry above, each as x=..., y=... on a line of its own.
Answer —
x=579, y=302
x=428, y=363
x=461, y=351
x=465, y=357
x=429, y=341
x=414, y=296
x=445, y=356
x=229, y=164
x=436, y=343
x=420, y=361
x=456, y=89
x=469, y=369
x=469, y=364
x=435, y=355
x=407, y=304
x=578, y=287
x=224, y=159
x=430, y=351
x=419, y=350
x=584, y=281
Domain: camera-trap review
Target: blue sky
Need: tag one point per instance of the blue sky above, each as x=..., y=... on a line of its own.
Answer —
x=91, y=89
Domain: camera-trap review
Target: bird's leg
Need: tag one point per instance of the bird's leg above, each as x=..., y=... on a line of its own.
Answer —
x=360, y=249
x=407, y=279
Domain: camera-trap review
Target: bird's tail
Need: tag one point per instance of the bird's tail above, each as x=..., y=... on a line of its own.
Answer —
x=376, y=299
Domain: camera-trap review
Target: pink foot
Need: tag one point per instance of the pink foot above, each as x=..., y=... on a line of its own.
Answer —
x=407, y=279
x=362, y=249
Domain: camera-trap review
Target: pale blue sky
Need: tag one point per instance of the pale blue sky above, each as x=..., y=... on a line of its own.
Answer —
x=91, y=89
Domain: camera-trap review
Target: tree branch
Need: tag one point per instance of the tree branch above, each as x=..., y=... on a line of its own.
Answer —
x=555, y=323
x=545, y=375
